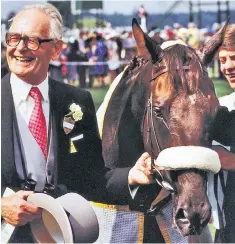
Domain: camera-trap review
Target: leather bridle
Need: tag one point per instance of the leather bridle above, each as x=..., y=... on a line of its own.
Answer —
x=152, y=135
x=153, y=145
x=150, y=118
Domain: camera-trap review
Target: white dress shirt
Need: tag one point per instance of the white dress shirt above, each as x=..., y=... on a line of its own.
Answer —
x=24, y=102
x=34, y=160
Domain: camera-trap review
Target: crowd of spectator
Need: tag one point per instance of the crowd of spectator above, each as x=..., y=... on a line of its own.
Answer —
x=95, y=58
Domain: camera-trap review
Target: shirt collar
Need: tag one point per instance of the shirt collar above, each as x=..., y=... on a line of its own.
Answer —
x=20, y=89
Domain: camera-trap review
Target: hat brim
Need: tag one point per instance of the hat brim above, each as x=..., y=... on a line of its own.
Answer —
x=84, y=222
x=54, y=226
x=67, y=219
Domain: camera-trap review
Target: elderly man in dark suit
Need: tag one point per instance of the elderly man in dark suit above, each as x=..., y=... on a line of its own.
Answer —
x=49, y=129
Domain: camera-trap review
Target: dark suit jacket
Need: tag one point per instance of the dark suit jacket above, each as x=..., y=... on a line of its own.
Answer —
x=224, y=127
x=82, y=172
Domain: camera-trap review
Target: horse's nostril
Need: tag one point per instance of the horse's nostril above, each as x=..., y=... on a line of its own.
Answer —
x=180, y=214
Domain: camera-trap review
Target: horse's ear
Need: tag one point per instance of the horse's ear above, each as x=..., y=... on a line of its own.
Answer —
x=211, y=47
x=146, y=47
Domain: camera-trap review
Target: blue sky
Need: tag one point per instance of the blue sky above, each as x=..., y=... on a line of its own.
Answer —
x=122, y=6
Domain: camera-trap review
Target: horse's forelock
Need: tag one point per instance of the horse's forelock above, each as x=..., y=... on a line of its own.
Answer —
x=178, y=56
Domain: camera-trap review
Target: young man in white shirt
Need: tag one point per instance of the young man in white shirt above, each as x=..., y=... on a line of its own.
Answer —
x=226, y=55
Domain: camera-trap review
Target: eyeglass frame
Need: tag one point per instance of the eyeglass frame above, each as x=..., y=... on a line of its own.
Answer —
x=24, y=38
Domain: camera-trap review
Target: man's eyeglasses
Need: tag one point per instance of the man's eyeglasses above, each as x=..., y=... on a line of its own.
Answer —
x=31, y=42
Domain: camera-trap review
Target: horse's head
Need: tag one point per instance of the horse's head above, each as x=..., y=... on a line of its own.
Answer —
x=181, y=106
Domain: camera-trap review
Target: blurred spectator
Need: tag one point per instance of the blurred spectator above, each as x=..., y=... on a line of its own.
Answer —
x=129, y=45
x=81, y=41
x=75, y=55
x=155, y=35
x=176, y=29
x=55, y=70
x=142, y=16
x=193, y=35
x=182, y=34
x=97, y=53
x=72, y=74
x=63, y=59
x=215, y=27
x=169, y=33
x=113, y=55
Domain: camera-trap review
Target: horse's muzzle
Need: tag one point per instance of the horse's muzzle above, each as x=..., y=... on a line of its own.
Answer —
x=191, y=221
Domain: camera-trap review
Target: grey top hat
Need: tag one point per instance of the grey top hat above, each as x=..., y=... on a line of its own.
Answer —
x=67, y=219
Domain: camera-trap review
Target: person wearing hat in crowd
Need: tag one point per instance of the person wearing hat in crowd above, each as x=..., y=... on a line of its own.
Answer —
x=75, y=55
x=176, y=29
x=97, y=54
x=155, y=34
x=50, y=140
x=226, y=55
x=142, y=16
x=129, y=45
x=113, y=55
x=193, y=35
x=169, y=33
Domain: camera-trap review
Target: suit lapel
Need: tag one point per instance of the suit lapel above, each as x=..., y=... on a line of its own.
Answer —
x=57, y=103
x=53, y=122
x=8, y=163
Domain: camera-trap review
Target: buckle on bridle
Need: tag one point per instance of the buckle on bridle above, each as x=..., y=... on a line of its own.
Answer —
x=156, y=208
x=158, y=177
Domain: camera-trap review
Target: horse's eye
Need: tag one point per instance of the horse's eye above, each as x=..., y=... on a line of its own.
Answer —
x=157, y=111
x=157, y=108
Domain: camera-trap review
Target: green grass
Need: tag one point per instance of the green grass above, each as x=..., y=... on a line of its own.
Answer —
x=98, y=95
x=221, y=86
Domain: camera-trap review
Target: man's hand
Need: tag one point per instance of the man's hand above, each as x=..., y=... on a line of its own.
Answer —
x=17, y=211
x=227, y=159
x=141, y=172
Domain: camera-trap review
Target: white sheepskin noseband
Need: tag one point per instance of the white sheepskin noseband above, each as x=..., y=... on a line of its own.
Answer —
x=186, y=157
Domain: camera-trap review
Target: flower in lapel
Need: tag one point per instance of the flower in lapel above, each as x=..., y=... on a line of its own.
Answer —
x=75, y=115
x=76, y=111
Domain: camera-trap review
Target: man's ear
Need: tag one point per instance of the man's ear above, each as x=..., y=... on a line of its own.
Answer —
x=58, y=49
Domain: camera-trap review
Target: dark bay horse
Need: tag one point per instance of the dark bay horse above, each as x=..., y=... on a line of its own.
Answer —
x=164, y=99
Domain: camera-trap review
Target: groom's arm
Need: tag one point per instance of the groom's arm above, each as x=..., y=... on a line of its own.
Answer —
x=223, y=129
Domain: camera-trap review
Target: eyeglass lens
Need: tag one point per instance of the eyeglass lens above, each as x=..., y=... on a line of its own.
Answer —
x=14, y=39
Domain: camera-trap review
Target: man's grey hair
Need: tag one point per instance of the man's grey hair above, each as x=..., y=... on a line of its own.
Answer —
x=56, y=23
